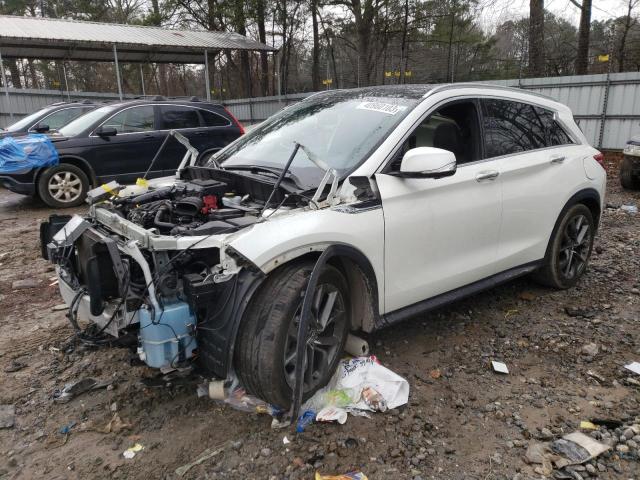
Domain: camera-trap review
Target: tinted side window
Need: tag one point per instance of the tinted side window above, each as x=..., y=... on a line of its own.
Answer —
x=133, y=120
x=554, y=134
x=213, y=119
x=511, y=127
x=179, y=117
x=60, y=118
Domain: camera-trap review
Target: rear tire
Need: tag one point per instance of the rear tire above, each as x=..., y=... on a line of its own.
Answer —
x=627, y=179
x=569, y=249
x=63, y=186
x=263, y=354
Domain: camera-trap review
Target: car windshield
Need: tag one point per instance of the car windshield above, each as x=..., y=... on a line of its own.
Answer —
x=27, y=121
x=340, y=128
x=83, y=122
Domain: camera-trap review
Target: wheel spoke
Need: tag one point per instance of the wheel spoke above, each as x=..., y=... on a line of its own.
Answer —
x=330, y=341
x=309, y=365
x=567, y=270
x=327, y=309
x=582, y=234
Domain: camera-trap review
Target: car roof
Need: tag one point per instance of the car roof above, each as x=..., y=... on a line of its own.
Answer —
x=74, y=103
x=190, y=101
x=417, y=91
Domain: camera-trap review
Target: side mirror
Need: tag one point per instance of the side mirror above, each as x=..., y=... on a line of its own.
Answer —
x=41, y=128
x=106, y=132
x=427, y=162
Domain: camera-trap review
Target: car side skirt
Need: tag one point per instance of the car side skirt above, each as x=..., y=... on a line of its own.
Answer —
x=432, y=303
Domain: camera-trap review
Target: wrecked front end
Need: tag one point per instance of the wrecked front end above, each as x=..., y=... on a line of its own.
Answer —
x=160, y=264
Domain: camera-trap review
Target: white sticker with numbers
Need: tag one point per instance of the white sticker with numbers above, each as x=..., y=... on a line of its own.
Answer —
x=381, y=107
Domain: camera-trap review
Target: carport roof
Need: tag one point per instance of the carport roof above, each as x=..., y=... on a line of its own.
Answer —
x=57, y=39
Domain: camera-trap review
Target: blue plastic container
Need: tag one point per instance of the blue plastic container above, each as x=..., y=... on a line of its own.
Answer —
x=169, y=338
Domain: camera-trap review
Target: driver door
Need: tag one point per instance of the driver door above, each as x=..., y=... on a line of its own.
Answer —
x=441, y=234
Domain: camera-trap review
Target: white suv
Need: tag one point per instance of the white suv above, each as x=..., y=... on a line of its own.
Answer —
x=349, y=211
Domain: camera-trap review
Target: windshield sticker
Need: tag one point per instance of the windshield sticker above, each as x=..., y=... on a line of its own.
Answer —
x=381, y=107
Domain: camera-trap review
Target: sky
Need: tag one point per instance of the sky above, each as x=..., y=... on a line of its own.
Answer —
x=498, y=11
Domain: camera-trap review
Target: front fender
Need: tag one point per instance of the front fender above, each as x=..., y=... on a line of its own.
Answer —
x=292, y=234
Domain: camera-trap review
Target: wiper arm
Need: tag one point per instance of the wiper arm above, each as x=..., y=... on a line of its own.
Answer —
x=328, y=173
x=275, y=171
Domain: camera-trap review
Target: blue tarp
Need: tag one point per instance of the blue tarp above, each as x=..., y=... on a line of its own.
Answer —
x=31, y=151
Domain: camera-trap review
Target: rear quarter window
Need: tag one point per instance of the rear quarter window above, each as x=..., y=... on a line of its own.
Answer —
x=212, y=119
x=554, y=133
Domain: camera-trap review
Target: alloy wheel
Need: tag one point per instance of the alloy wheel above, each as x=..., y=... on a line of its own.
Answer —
x=324, y=337
x=574, y=247
x=65, y=186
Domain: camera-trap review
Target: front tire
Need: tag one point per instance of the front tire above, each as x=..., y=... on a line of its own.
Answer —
x=569, y=250
x=63, y=186
x=265, y=351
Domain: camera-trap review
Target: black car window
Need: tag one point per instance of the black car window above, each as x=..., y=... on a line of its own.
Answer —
x=175, y=117
x=554, y=134
x=511, y=127
x=60, y=118
x=211, y=119
x=133, y=120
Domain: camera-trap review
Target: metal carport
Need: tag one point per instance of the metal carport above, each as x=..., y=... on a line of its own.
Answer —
x=59, y=39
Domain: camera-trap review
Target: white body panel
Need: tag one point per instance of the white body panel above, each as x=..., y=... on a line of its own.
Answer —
x=288, y=235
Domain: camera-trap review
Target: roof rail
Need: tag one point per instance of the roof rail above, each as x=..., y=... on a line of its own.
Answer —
x=191, y=98
x=448, y=86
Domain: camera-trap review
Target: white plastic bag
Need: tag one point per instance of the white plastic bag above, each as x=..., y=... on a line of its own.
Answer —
x=369, y=385
x=365, y=373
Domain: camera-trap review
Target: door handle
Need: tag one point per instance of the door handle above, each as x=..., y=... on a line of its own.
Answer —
x=487, y=175
x=558, y=159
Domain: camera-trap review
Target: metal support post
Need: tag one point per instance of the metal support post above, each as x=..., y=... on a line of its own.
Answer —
x=142, y=81
x=115, y=58
x=66, y=82
x=6, y=87
x=206, y=75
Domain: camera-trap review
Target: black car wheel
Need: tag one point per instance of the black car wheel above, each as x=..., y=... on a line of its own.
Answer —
x=570, y=249
x=63, y=186
x=627, y=178
x=265, y=354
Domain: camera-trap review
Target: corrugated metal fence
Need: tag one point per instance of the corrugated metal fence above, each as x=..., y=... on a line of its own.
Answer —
x=606, y=107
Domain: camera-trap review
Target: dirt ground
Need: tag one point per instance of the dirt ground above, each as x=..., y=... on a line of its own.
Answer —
x=462, y=421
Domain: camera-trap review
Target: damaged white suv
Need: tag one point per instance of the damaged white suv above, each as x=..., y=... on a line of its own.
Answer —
x=349, y=211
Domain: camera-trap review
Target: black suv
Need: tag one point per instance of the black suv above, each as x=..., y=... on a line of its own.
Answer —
x=51, y=117
x=118, y=142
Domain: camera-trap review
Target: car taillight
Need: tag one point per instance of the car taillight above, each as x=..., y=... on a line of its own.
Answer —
x=599, y=157
x=235, y=120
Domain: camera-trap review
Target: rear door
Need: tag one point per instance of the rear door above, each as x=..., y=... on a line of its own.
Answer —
x=537, y=161
x=127, y=155
x=187, y=121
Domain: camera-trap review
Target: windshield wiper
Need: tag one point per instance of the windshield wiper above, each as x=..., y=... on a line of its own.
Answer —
x=275, y=171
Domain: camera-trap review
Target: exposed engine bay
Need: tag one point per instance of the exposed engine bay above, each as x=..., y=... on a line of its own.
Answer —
x=214, y=202
x=150, y=262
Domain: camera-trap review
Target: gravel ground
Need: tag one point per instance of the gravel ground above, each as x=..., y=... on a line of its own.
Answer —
x=462, y=421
